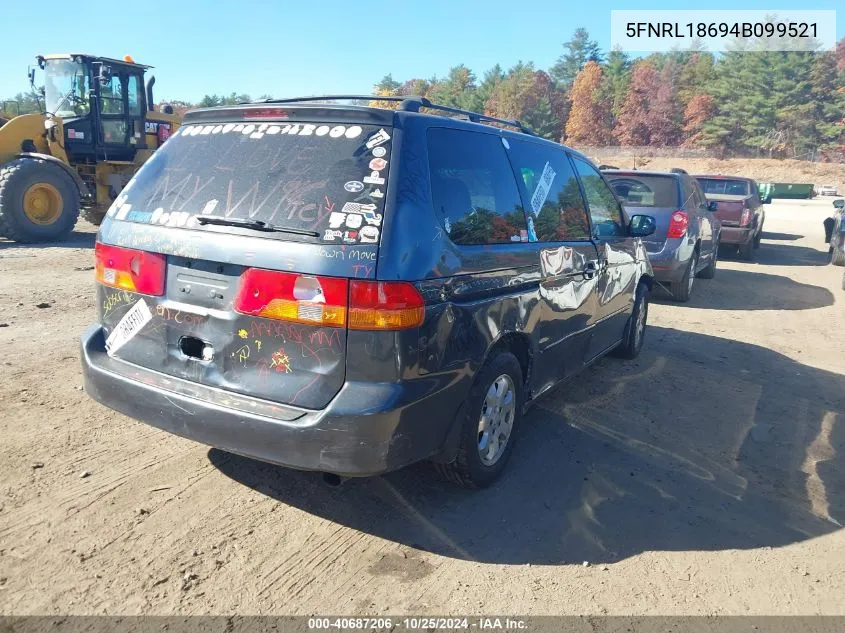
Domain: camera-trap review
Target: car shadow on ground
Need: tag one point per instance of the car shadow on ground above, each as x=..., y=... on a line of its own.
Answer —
x=774, y=254
x=703, y=443
x=751, y=290
x=77, y=239
x=781, y=237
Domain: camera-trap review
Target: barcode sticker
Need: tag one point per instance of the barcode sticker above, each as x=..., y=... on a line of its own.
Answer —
x=131, y=323
x=541, y=192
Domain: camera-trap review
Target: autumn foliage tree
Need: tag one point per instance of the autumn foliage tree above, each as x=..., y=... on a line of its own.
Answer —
x=589, y=113
x=698, y=110
x=633, y=124
x=529, y=95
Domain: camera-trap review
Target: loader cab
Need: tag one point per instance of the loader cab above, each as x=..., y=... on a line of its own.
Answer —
x=101, y=102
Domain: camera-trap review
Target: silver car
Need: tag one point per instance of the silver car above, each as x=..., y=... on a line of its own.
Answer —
x=686, y=242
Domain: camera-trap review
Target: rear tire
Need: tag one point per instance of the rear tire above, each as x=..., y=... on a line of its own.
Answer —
x=39, y=202
x=758, y=238
x=682, y=290
x=837, y=256
x=710, y=271
x=635, y=332
x=475, y=466
x=746, y=251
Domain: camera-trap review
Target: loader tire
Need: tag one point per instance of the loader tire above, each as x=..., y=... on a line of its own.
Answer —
x=39, y=202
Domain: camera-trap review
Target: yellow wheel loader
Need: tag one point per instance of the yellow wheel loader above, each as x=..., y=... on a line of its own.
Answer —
x=98, y=128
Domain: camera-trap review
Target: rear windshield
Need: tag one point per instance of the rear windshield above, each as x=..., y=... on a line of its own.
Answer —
x=323, y=178
x=722, y=185
x=645, y=191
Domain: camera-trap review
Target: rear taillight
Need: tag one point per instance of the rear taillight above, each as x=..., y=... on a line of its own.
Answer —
x=292, y=297
x=329, y=301
x=384, y=305
x=745, y=220
x=678, y=224
x=128, y=269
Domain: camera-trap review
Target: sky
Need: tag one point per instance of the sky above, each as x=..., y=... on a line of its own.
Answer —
x=287, y=49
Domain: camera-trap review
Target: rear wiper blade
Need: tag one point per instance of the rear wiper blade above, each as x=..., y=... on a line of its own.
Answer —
x=255, y=225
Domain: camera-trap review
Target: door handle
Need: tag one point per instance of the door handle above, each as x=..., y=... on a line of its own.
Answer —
x=592, y=267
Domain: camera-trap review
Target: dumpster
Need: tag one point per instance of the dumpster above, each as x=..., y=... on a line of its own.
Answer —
x=786, y=190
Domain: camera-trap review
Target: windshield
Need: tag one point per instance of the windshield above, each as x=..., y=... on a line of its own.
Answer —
x=66, y=88
x=722, y=185
x=321, y=177
x=645, y=191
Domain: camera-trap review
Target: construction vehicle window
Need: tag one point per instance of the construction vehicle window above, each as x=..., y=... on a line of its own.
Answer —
x=111, y=96
x=134, y=92
x=66, y=88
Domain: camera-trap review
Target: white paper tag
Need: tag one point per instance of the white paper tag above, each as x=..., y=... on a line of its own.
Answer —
x=128, y=326
x=541, y=192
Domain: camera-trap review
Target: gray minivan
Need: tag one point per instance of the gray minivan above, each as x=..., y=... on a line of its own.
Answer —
x=351, y=289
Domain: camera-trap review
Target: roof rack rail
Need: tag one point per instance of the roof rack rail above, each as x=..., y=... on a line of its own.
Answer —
x=409, y=104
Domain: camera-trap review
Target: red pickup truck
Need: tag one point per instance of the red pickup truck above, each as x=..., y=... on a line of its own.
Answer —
x=739, y=207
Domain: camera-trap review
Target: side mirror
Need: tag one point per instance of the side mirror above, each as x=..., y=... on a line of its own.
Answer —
x=642, y=226
x=839, y=204
x=766, y=199
x=31, y=74
x=712, y=205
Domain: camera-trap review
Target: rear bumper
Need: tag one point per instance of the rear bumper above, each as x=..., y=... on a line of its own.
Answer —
x=671, y=261
x=367, y=429
x=736, y=235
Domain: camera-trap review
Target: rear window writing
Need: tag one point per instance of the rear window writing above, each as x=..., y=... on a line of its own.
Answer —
x=321, y=177
x=645, y=191
x=721, y=185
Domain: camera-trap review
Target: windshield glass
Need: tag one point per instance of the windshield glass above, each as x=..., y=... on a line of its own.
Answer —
x=645, y=191
x=322, y=177
x=722, y=185
x=66, y=88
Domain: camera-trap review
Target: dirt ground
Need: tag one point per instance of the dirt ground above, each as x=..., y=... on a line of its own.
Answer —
x=704, y=478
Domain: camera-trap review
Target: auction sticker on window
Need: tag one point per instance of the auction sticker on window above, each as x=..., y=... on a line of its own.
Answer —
x=126, y=329
x=541, y=192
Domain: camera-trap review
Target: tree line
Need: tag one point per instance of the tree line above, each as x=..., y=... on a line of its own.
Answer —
x=748, y=100
x=785, y=103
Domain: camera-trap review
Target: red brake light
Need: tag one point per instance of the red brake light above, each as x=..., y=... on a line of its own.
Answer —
x=292, y=297
x=678, y=224
x=746, y=217
x=128, y=269
x=384, y=305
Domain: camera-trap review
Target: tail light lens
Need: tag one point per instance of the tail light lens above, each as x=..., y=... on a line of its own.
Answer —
x=292, y=297
x=128, y=269
x=384, y=305
x=745, y=220
x=330, y=301
x=678, y=224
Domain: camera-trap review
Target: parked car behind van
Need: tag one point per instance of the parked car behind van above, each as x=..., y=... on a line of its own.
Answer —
x=350, y=289
x=835, y=234
x=686, y=242
x=739, y=207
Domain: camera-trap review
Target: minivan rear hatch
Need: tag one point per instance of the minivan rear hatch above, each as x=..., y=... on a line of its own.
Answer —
x=229, y=258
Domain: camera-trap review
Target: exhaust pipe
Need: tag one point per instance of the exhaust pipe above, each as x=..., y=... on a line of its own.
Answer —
x=150, y=84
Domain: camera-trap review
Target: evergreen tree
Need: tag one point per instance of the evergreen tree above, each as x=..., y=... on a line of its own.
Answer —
x=617, y=77
x=579, y=50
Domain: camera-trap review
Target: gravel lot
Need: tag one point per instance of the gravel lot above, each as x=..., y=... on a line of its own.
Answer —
x=704, y=478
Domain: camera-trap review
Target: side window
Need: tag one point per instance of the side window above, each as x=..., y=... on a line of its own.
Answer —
x=134, y=92
x=111, y=96
x=605, y=211
x=473, y=190
x=555, y=206
x=692, y=195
